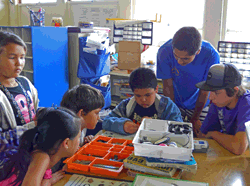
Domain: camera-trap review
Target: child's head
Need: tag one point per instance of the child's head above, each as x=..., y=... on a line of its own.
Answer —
x=86, y=102
x=186, y=45
x=57, y=133
x=12, y=54
x=63, y=121
x=143, y=83
x=224, y=83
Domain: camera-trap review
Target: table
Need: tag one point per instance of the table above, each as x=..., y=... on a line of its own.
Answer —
x=218, y=167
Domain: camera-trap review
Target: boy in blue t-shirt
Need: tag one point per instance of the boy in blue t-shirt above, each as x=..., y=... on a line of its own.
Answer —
x=181, y=63
x=229, y=110
x=146, y=103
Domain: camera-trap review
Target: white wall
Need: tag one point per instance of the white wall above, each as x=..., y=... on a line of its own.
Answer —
x=18, y=15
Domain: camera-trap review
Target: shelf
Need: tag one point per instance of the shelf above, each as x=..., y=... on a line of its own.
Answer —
x=237, y=53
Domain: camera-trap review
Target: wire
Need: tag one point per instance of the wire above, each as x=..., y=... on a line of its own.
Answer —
x=187, y=142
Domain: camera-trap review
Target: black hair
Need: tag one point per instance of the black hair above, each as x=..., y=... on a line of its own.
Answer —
x=142, y=78
x=8, y=37
x=231, y=91
x=54, y=125
x=187, y=39
x=83, y=97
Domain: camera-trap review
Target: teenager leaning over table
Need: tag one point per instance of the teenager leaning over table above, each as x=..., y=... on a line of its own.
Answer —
x=126, y=117
x=181, y=63
x=18, y=97
x=229, y=110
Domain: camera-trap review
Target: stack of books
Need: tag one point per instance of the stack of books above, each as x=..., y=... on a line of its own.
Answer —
x=138, y=165
x=189, y=166
x=158, y=166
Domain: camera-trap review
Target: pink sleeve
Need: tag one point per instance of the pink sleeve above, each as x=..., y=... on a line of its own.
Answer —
x=47, y=174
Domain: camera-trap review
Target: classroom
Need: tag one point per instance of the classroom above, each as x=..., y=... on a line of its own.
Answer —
x=147, y=92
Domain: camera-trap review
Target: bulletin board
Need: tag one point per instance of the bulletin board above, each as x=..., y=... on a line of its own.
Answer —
x=95, y=12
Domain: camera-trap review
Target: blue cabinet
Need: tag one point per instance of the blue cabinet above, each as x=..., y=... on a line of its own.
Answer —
x=46, y=61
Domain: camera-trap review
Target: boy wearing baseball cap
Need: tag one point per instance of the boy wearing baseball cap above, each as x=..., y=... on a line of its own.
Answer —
x=229, y=109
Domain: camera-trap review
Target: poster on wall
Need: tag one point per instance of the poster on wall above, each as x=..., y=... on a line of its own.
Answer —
x=95, y=12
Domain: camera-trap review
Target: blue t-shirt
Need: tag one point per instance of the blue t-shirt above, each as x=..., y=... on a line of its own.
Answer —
x=233, y=120
x=185, y=77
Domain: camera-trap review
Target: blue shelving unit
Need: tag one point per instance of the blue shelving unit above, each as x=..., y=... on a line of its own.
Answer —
x=46, y=60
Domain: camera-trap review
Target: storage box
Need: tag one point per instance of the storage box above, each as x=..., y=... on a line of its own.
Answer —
x=129, y=55
x=98, y=156
x=154, y=130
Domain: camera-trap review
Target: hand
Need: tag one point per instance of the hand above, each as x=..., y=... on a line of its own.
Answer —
x=88, y=138
x=130, y=127
x=57, y=176
x=209, y=135
x=196, y=126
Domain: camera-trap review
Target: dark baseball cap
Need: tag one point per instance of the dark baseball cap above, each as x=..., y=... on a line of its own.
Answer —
x=221, y=76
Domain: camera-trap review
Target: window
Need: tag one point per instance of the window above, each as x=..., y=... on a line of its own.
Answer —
x=37, y=1
x=237, y=27
x=175, y=14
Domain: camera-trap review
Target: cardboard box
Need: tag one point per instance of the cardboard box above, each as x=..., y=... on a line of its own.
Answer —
x=155, y=129
x=129, y=55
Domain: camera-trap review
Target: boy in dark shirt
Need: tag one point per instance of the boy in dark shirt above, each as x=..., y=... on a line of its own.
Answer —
x=146, y=103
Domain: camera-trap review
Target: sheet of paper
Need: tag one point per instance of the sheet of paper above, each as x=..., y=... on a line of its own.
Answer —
x=148, y=182
x=95, y=12
x=142, y=180
x=81, y=180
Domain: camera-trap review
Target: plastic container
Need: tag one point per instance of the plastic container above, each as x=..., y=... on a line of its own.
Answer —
x=100, y=155
x=37, y=18
x=76, y=166
x=56, y=21
x=155, y=129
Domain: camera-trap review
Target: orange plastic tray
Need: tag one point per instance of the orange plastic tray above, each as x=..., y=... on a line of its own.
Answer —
x=101, y=153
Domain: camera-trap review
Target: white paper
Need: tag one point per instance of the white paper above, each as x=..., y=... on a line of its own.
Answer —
x=156, y=181
x=148, y=182
x=81, y=180
x=95, y=12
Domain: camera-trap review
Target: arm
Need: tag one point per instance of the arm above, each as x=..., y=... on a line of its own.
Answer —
x=168, y=89
x=39, y=164
x=116, y=119
x=115, y=123
x=200, y=103
x=236, y=144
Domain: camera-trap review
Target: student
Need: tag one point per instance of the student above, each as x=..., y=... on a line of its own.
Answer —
x=86, y=102
x=229, y=110
x=181, y=63
x=145, y=103
x=40, y=148
x=18, y=97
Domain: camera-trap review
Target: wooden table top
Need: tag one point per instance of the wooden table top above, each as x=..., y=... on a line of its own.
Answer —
x=218, y=167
